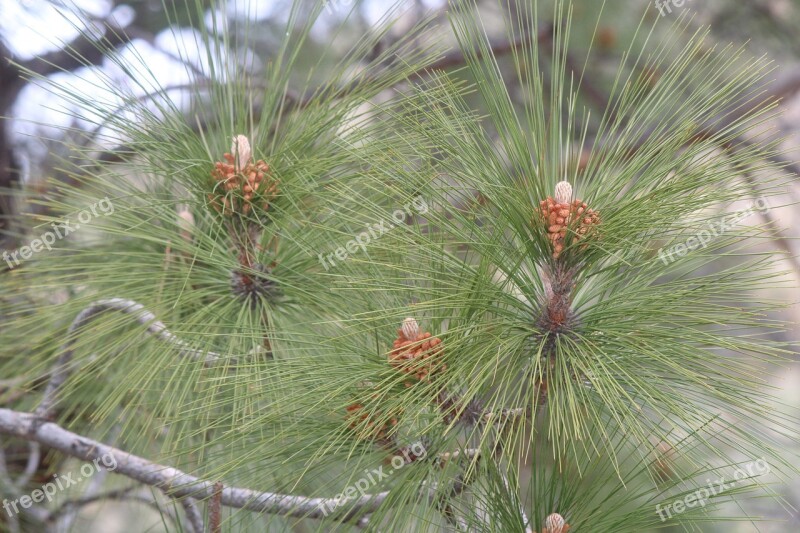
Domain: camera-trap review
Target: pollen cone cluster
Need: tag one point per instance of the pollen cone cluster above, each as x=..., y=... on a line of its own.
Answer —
x=416, y=353
x=369, y=425
x=562, y=215
x=240, y=183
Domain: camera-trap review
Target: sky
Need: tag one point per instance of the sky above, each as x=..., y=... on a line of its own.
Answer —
x=34, y=27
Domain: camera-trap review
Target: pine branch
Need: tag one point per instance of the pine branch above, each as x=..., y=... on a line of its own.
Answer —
x=5, y=478
x=174, y=482
x=185, y=487
x=32, y=465
x=62, y=368
x=145, y=471
x=194, y=516
x=215, y=511
x=142, y=316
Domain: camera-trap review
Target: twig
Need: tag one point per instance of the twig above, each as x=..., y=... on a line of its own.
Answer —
x=180, y=485
x=460, y=484
x=5, y=479
x=473, y=412
x=503, y=414
x=174, y=482
x=32, y=465
x=138, y=498
x=62, y=371
x=498, y=48
x=144, y=317
x=469, y=453
x=458, y=487
x=214, y=509
x=193, y=515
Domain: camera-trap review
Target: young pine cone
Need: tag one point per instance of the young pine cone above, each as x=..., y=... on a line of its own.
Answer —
x=240, y=183
x=416, y=353
x=369, y=425
x=555, y=523
x=562, y=215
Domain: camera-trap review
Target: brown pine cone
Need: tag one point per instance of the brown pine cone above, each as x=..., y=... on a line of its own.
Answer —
x=369, y=425
x=416, y=353
x=561, y=216
x=240, y=183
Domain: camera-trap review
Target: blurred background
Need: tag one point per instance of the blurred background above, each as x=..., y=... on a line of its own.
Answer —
x=55, y=39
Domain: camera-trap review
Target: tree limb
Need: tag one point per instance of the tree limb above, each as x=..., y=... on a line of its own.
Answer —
x=193, y=515
x=174, y=482
x=144, y=317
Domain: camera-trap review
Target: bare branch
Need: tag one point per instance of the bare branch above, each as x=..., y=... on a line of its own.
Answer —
x=144, y=317
x=33, y=464
x=215, y=511
x=180, y=485
x=5, y=478
x=174, y=482
x=193, y=515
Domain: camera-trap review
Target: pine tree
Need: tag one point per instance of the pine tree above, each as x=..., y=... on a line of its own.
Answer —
x=345, y=298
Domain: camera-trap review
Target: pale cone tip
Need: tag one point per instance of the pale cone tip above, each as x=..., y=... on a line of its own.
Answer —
x=241, y=151
x=563, y=192
x=410, y=329
x=554, y=523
